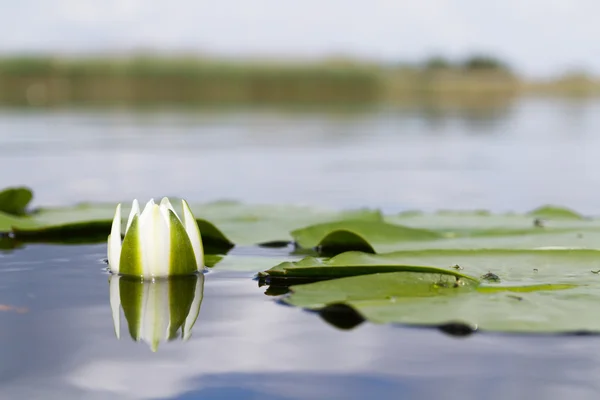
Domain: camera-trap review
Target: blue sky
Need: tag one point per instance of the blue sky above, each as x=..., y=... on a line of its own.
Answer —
x=538, y=37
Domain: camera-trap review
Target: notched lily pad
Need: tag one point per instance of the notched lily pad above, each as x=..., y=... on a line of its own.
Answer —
x=367, y=236
x=14, y=200
x=555, y=212
x=341, y=241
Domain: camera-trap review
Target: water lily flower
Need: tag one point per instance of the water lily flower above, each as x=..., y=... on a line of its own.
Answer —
x=157, y=242
x=157, y=310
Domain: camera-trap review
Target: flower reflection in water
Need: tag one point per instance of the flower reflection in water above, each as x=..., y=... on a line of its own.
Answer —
x=156, y=310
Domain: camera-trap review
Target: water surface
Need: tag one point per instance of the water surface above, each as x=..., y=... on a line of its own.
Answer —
x=58, y=339
x=512, y=158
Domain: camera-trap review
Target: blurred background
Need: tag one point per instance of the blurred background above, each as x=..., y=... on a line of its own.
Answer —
x=433, y=104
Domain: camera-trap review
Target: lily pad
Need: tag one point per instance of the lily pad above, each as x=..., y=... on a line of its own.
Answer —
x=14, y=201
x=74, y=233
x=555, y=212
x=222, y=223
x=465, y=230
x=96, y=231
x=480, y=224
x=367, y=236
x=319, y=231
x=385, y=286
x=540, y=290
x=8, y=221
x=253, y=224
x=351, y=264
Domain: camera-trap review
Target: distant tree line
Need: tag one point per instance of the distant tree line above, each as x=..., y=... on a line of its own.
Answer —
x=478, y=62
x=147, y=79
x=142, y=79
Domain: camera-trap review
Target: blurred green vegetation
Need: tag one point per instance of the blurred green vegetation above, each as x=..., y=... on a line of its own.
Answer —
x=140, y=80
x=473, y=63
x=137, y=80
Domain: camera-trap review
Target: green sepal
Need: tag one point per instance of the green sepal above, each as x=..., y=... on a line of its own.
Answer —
x=131, y=262
x=182, y=260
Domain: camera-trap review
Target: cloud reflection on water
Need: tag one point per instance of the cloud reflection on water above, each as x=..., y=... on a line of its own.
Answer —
x=248, y=346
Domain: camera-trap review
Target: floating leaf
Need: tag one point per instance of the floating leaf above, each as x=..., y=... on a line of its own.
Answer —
x=540, y=290
x=252, y=224
x=463, y=230
x=351, y=264
x=8, y=221
x=222, y=223
x=473, y=224
x=367, y=236
x=96, y=231
x=325, y=232
x=14, y=201
x=555, y=212
x=385, y=286
x=213, y=239
x=74, y=233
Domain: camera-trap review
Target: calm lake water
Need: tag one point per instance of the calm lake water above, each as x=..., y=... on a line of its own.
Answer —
x=58, y=340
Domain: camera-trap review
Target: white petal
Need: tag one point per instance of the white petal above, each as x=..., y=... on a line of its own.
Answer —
x=165, y=204
x=156, y=315
x=149, y=205
x=156, y=242
x=115, y=303
x=108, y=248
x=142, y=232
x=192, y=316
x=135, y=210
x=191, y=227
x=114, y=241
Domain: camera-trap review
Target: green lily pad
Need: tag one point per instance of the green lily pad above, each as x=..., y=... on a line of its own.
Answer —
x=555, y=212
x=446, y=229
x=559, y=239
x=386, y=286
x=252, y=224
x=222, y=223
x=540, y=290
x=367, y=236
x=8, y=221
x=73, y=233
x=97, y=231
x=351, y=264
x=480, y=224
x=319, y=231
x=14, y=201
x=213, y=238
